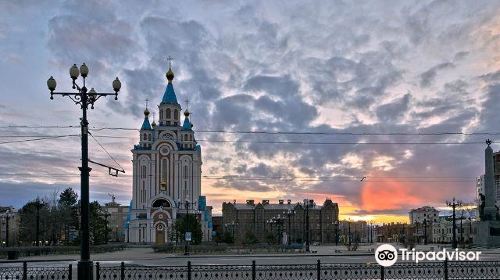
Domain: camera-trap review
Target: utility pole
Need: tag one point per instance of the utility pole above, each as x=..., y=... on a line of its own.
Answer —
x=84, y=98
x=7, y=217
x=186, y=229
x=128, y=231
x=106, y=215
x=37, y=222
x=425, y=231
x=290, y=213
x=187, y=206
x=349, y=232
x=461, y=227
x=308, y=202
x=454, y=204
x=336, y=223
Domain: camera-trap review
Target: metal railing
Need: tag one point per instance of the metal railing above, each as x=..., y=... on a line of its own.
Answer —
x=23, y=271
x=319, y=271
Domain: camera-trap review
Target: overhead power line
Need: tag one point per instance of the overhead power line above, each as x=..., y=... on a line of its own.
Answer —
x=275, y=142
x=438, y=133
x=40, y=138
x=378, y=179
x=106, y=151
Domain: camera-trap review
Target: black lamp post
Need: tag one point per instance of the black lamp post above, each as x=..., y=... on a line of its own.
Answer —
x=128, y=231
x=425, y=231
x=7, y=218
x=84, y=98
x=106, y=230
x=336, y=233
x=454, y=204
x=308, y=233
x=271, y=222
x=289, y=214
x=349, y=232
x=187, y=206
x=461, y=227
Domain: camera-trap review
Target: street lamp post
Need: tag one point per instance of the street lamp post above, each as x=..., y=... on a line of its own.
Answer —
x=187, y=206
x=7, y=217
x=454, y=204
x=308, y=234
x=336, y=233
x=371, y=232
x=128, y=231
x=470, y=229
x=461, y=227
x=349, y=232
x=271, y=222
x=106, y=230
x=84, y=98
x=425, y=231
x=289, y=214
x=37, y=226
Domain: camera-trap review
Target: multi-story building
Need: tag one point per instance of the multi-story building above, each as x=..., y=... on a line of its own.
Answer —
x=117, y=220
x=421, y=223
x=9, y=215
x=356, y=231
x=205, y=218
x=442, y=230
x=391, y=232
x=218, y=227
x=283, y=222
x=423, y=214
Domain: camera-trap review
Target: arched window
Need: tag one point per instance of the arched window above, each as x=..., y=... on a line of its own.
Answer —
x=185, y=172
x=176, y=114
x=145, y=137
x=161, y=203
x=161, y=114
x=143, y=192
x=169, y=113
x=164, y=170
x=143, y=172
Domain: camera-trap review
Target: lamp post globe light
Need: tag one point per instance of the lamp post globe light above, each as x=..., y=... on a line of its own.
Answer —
x=84, y=98
x=454, y=204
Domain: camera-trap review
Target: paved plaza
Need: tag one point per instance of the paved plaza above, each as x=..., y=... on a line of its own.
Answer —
x=326, y=254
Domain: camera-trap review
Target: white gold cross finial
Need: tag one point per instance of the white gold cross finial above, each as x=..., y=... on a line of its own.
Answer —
x=147, y=100
x=187, y=103
x=169, y=59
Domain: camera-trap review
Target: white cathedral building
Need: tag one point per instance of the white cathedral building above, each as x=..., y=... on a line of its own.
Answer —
x=166, y=174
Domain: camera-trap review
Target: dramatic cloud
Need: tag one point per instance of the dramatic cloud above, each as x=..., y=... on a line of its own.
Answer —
x=337, y=68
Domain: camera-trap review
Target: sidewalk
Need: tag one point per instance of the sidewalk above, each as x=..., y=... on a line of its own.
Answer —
x=144, y=253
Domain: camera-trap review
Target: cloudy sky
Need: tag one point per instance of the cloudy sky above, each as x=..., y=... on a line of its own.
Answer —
x=351, y=72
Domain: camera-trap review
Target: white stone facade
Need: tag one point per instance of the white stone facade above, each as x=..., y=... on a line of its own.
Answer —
x=166, y=173
x=423, y=214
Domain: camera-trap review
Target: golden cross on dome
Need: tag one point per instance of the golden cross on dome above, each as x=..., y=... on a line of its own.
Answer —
x=147, y=100
x=187, y=103
x=169, y=59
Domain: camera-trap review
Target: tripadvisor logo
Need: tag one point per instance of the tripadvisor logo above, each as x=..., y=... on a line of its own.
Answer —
x=387, y=255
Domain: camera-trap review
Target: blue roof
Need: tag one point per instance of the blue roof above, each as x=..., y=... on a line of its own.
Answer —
x=146, y=125
x=187, y=124
x=169, y=95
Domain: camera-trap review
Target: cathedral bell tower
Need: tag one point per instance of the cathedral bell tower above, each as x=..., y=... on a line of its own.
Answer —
x=169, y=107
x=166, y=171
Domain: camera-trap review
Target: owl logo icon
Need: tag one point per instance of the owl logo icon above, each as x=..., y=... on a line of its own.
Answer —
x=386, y=255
